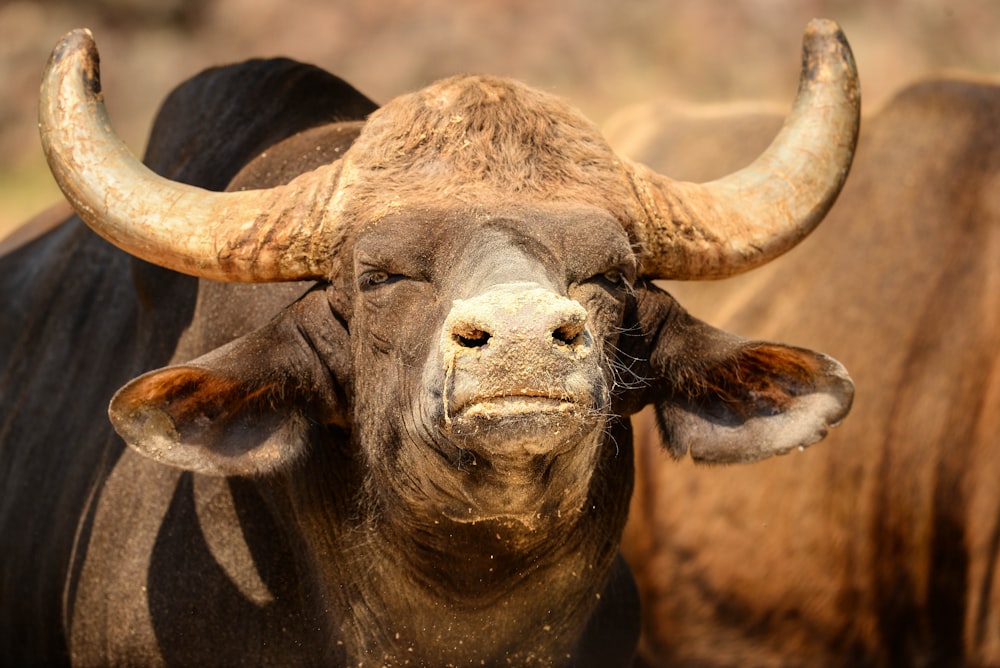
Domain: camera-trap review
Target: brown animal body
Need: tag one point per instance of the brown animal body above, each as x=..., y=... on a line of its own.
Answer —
x=882, y=548
x=404, y=440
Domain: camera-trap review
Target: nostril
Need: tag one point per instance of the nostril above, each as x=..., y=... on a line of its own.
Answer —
x=568, y=333
x=471, y=338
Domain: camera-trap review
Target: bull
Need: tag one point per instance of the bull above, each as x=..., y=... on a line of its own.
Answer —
x=882, y=548
x=370, y=402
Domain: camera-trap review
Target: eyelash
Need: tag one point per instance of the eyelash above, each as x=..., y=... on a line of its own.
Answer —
x=370, y=279
x=614, y=276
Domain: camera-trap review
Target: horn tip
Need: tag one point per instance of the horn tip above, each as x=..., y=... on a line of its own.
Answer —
x=825, y=36
x=823, y=27
x=827, y=58
x=75, y=41
x=74, y=56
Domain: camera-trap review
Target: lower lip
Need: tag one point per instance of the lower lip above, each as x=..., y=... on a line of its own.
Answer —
x=516, y=405
x=518, y=426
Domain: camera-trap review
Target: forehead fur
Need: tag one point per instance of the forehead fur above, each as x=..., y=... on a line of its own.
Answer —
x=471, y=139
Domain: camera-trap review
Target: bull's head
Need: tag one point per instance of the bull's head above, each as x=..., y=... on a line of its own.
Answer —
x=485, y=308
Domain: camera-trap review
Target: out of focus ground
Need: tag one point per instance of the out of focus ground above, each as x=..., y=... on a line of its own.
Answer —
x=602, y=55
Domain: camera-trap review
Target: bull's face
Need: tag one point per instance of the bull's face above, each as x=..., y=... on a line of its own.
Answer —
x=489, y=343
x=484, y=263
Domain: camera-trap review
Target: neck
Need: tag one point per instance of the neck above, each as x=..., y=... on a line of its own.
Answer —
x=413, y=582
x=445, y=593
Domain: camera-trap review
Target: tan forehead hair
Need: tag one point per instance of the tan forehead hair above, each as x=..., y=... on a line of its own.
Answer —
x=471, y=137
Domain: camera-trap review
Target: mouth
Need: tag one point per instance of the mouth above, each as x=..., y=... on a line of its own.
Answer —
x=531, y=423
x=517, y=404
x=520, y=403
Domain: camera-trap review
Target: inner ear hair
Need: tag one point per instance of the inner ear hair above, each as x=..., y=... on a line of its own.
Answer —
x=751, y=401
x=761, y=379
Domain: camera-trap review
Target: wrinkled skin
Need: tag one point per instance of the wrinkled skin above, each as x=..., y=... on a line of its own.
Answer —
x=423, y=458
x=882, y=549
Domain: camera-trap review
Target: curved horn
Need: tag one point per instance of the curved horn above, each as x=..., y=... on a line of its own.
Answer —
x=743, y=220
x=280, y=234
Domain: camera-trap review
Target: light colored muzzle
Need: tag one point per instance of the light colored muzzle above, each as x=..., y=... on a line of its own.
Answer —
x=516, y=348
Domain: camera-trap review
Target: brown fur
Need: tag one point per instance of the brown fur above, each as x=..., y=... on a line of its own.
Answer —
x=475, y=138
x=761, y=379
x=881, y=547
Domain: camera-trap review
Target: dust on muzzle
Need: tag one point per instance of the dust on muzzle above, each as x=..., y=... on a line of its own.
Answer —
x=521, y=370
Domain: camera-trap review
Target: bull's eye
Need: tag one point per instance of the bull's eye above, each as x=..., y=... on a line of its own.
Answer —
x=374, y=277
x=615, y=281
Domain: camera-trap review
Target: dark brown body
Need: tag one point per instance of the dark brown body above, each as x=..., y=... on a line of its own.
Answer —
x=882, y=548
x=87, y=317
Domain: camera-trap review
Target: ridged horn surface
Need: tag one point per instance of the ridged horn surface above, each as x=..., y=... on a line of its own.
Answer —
x=721, y=228
x=285, y=233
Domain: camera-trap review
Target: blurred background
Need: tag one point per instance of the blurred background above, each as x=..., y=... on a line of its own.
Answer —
x=602, y=55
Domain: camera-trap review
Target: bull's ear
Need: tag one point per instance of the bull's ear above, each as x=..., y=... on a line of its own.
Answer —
x=724, y=399
x=249, y=407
